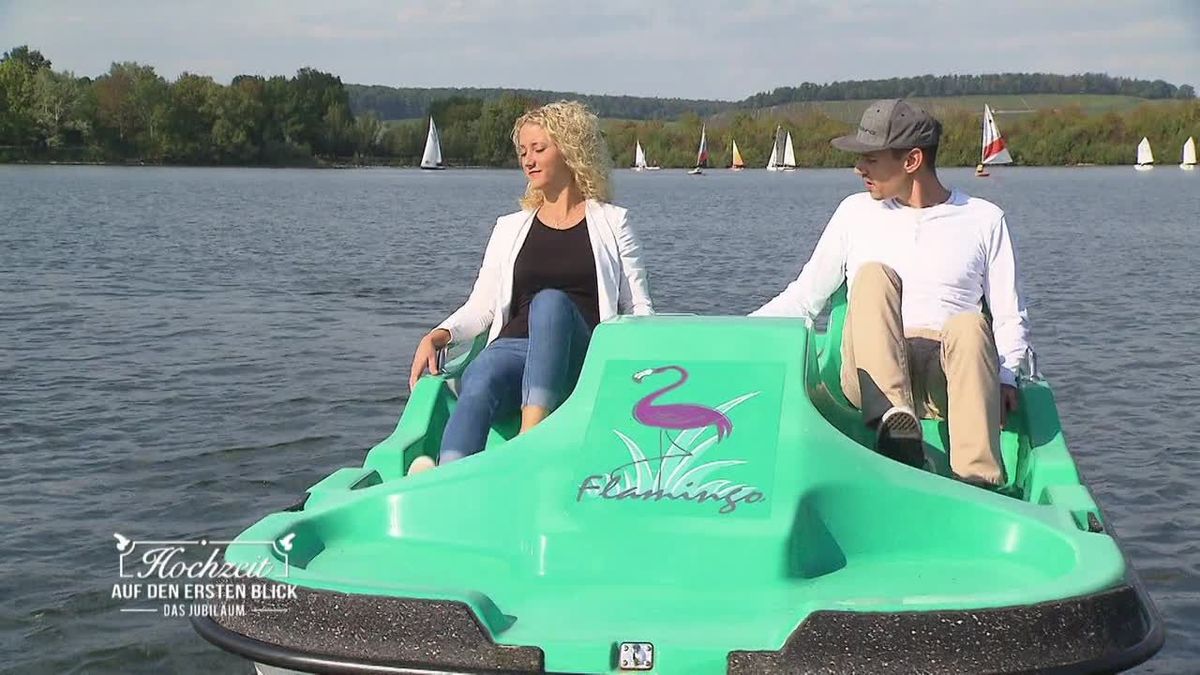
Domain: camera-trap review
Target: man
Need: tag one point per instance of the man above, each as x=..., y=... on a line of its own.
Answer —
x=921, y=260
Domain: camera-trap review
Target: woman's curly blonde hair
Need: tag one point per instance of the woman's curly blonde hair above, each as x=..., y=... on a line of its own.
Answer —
x=576, y=132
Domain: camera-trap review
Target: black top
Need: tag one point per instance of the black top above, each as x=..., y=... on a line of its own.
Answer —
x=552, y=258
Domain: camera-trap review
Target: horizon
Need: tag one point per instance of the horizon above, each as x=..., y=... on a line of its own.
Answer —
x=670, y=50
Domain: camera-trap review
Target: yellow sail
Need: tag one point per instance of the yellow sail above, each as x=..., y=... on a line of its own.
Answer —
x=737, y=157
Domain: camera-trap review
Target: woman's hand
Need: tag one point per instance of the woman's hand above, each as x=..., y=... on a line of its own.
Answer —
x=426, y=356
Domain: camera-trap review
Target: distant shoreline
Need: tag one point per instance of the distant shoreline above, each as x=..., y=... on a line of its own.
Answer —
x=131, y=116
x=413, y=167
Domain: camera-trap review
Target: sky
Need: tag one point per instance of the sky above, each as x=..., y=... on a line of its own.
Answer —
x=672, y=48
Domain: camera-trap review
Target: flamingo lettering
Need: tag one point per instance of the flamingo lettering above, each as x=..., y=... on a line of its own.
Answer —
x=610, y=489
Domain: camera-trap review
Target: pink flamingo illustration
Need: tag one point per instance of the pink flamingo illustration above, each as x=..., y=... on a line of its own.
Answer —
x=677, y=416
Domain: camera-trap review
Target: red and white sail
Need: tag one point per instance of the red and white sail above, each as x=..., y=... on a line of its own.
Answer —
x=995, y=150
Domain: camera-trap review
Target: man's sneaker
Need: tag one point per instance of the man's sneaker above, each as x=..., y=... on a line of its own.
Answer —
x=899, y=437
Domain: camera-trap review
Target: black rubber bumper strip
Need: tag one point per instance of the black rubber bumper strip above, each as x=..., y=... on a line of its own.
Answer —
x=1104, y=632
x=328, y=632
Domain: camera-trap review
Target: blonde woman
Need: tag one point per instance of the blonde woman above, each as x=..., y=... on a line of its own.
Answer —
x=551, y=272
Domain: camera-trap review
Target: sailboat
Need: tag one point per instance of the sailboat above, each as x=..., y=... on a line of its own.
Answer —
x=738, y=164
x=432, y=158
x=1145, y=158
x=1189, y=155
x=789, y=154
x=639, y=160
x=995, y=150
x=773, y=162
x=702, y=154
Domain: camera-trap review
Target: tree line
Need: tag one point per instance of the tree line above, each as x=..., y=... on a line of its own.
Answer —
x=132, y=114
x=395, y=103
x=928, y=86
x=399, y=103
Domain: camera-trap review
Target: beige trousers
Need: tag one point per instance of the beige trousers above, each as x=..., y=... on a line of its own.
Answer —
x=950, y=374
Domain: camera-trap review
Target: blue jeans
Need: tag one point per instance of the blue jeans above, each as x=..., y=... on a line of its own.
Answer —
x=511, y=373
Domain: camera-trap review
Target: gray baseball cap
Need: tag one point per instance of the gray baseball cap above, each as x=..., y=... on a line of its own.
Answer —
x=892, y=123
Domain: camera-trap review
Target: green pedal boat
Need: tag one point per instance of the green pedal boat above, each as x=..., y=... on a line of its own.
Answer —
x=706, y=501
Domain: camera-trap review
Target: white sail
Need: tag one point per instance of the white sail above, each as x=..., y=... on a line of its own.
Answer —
x=995, y=149
x=639, y=158
x=702, y=153
x=432, y=159
x=1144, y=155
x=1189, y=154
x=789, y=153
x=773, y=162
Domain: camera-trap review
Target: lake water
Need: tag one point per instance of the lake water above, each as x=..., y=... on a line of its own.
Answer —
x=184, y=350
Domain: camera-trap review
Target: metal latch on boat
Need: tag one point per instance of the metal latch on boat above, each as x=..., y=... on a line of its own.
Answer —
x=636, y=656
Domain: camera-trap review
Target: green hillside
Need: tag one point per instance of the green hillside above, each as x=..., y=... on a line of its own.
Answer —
x=1042, y=129
x=1059, y=130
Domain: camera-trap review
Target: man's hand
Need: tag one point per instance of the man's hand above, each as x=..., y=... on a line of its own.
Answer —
x=1009, y=398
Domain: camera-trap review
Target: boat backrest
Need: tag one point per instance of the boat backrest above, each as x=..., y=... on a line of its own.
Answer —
x=453, y=368
x=829, y=351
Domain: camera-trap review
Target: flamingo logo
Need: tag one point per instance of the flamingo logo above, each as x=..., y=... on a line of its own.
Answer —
x=677, y=416
x=675, y=472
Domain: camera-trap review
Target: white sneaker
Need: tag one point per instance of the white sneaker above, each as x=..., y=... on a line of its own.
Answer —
x=899, y=437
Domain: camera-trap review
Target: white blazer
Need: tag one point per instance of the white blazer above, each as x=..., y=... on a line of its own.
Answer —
x=620, y=275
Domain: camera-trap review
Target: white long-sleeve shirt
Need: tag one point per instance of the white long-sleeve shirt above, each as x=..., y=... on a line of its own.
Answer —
x=950, y=257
